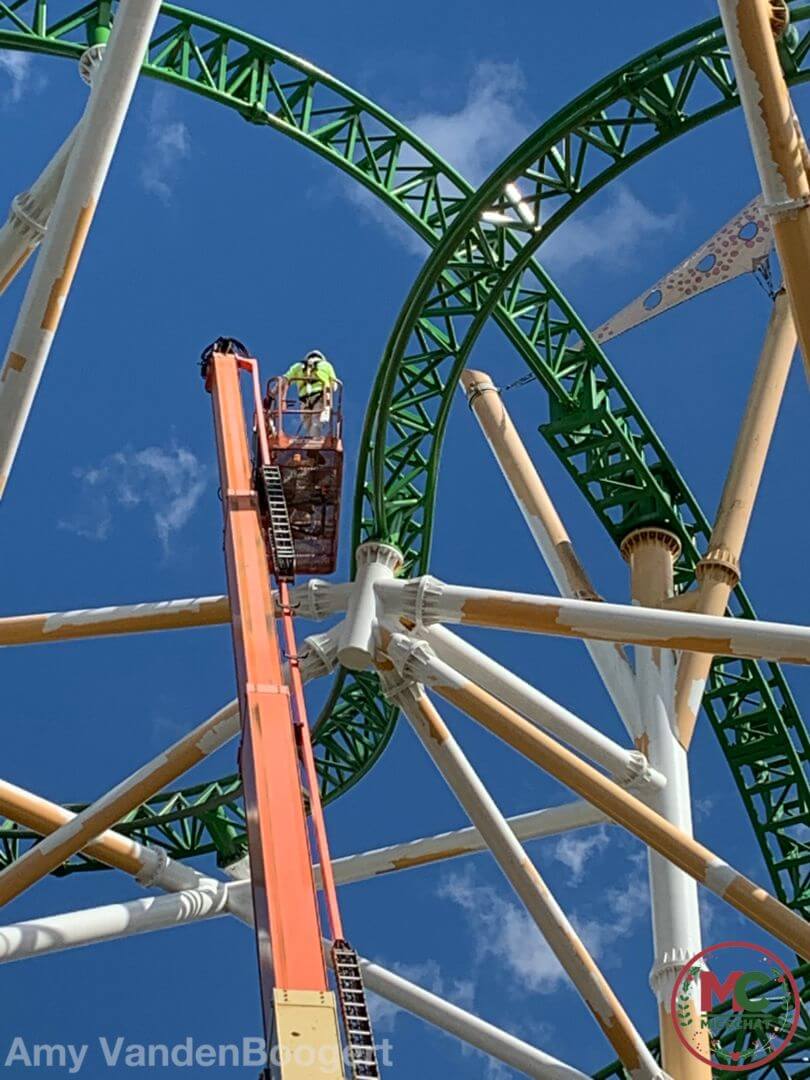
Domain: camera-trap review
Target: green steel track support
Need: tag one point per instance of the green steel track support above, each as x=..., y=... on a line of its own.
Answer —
x=480, y=270
x=270, y=87
x=484, y=267
x=201, y=820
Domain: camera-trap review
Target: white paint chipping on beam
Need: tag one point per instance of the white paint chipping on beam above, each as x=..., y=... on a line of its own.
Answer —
x=136, y=612
x=451, y=845
x=719, y=876
x=503, y=610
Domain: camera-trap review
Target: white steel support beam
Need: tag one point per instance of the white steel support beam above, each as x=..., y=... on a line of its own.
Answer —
x=417, y=662
x=427, y=600
x=31, y=210
x=651, y=554
x=152, y=867
x=56, y=933
x=629, y=767
x=451, y=845
x=375, y=562
x=29, y=214
x=522, y=875
x=549, y=533
x=465, y=1026
x=778, y=145
x=70, y=222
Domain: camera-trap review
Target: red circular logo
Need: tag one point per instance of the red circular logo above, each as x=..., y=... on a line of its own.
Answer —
x=740, y=1000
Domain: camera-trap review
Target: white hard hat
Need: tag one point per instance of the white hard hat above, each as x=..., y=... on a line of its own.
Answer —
x=314, y=354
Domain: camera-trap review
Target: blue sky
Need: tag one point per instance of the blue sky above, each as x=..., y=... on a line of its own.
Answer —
x=209, y=225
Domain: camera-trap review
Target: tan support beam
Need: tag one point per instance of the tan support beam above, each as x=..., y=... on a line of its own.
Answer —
x=718, y=571
x=149, y=866
x=619, y=805
x=698, y=861
x=85, y=827
x=44, y=817
x=521, y=874
x=123, y=619
x=549, y=532
x=778, y=146
x=527, y=486
x=426, y=601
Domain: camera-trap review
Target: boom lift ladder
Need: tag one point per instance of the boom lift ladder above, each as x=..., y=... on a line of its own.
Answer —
x=300, y=1014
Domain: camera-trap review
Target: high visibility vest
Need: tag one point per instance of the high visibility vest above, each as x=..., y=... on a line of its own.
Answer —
x=323, y=377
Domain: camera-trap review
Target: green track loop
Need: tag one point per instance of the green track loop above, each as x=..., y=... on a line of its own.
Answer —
x=272, y=88
x=596, y=428
x=478, y=270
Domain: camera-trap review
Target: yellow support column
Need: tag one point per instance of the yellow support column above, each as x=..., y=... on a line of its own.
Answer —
x=752, y=27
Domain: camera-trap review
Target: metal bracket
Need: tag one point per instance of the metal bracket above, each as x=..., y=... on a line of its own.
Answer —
x=786, y=208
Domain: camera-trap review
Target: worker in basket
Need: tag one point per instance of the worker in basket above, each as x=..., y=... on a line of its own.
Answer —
x=315, y=381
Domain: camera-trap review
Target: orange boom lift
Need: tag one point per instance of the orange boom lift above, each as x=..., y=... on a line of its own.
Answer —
x=276, y=760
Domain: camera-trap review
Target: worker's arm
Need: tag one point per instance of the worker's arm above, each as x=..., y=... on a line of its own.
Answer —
x=293, y=374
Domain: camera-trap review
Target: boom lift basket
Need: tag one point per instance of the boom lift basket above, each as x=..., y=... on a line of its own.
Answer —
x=307, y=446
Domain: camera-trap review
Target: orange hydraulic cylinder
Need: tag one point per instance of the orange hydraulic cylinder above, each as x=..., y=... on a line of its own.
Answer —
x=284, y=895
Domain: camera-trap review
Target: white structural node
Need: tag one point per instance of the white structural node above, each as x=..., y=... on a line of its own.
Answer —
x=375, y=563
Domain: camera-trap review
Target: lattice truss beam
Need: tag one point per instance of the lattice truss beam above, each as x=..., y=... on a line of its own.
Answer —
x=663, y=93
x=483, y=267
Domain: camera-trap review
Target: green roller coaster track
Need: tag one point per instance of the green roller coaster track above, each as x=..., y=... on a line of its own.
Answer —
x=478, y=270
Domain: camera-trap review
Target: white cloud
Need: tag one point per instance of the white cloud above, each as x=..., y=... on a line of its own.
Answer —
x=611, y=236
x=167, y=482
x=625, y=905
x=505, y=933
x=490, y=124
x=472, y=138
x=574, y=850
x=18, y=67
x=496, y=1070
x=168, y=144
